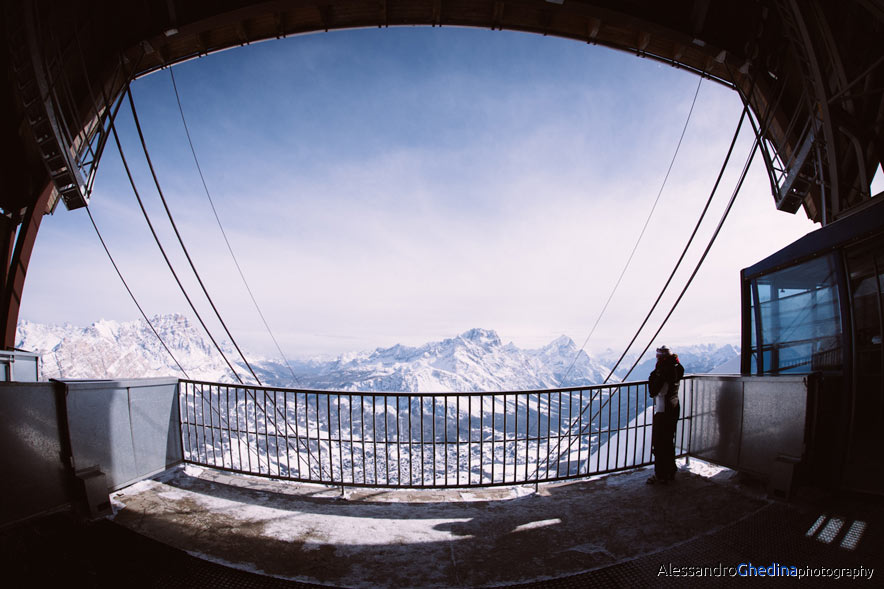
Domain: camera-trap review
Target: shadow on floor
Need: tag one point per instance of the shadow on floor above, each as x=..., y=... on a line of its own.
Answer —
x=607, y=532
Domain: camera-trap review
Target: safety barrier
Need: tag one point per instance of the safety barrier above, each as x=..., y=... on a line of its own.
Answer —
x=421, y=440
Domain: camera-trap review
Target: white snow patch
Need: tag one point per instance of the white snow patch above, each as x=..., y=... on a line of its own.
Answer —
x=538, y=524
x=703, y=468
x=193, y=470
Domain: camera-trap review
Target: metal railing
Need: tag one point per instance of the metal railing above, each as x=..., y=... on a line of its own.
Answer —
x=421, y=440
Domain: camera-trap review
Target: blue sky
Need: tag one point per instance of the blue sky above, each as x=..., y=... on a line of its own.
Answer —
x=404, y=185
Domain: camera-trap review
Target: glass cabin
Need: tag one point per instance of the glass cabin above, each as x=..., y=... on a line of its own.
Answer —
x=816, y=307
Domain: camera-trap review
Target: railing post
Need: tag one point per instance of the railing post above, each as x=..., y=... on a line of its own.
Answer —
x=687, y=458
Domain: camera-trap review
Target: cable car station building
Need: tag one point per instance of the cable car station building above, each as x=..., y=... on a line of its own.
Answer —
x=806, y=412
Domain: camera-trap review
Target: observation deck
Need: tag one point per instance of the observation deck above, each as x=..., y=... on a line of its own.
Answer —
x=612, y=531
x=559, y=499
x=194, y=527
x=811, y=75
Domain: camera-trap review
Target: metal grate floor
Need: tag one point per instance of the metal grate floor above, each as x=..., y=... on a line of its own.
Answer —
x=779, y=534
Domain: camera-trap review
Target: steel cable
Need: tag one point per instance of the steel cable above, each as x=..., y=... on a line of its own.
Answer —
x=696, y=269
x=112, y=113
x=163, y=251
x=180, y=239
x=690, y=241
x=131, y=294
x=223, y=232
x=727, y=210
x=724, y=216
x=758, y=133
x=640, y=236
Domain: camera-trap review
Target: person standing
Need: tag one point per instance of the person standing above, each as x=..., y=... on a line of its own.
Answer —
x=663, y=386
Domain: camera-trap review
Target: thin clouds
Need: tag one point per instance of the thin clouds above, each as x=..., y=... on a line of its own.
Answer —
x=406, y=185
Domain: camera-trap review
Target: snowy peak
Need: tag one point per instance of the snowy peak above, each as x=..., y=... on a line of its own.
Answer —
x=486, y=338
x=570, y=366
x=560, y=349
x=475, y=360
x=563, y=342
x=113, y=349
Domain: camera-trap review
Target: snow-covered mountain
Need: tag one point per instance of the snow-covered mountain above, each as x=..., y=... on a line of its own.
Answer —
x=475, y=360
x=111, y=349
x=696, y=359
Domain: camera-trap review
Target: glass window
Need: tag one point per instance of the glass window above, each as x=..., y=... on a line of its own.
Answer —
x=796, y=319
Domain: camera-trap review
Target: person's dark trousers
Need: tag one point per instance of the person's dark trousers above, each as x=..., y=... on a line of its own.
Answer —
x=663, y=439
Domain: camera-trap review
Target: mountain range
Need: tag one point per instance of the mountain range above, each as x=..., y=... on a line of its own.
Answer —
x=475, y=360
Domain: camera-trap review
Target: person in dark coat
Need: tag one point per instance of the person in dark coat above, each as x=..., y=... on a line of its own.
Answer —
x=663, y=386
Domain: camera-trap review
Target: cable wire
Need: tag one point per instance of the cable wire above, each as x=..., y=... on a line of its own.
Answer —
x=640, y=236
x=687, y=245
x=582, y=430
x=111, y=119
x=724, y=216
x=221, y=227
x=132, y=295
x=743, y=116
x=163, y=251
x=126, y=284
x=112, y=114
x=756, y=145
x=187, y=297
x=746, y=112
x=758, y=133
x=178, y=234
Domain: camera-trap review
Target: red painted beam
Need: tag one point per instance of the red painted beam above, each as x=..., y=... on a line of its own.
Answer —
x=8, y=228
x=18, y=266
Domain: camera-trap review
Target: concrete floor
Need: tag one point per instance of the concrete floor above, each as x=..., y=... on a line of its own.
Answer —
x=430, y=538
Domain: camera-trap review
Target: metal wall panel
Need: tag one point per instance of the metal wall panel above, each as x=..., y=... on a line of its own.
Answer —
x=98, y=417
x=34, y=478
x=774, y=416
x=128, y=429
x=156, y=435
x=715, y=433
x=746, y=422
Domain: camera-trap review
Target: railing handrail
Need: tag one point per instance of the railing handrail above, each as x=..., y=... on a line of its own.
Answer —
x=421, y=393
x=418, y=439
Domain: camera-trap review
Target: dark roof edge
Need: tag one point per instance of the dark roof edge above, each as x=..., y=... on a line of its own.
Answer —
x=857, y=226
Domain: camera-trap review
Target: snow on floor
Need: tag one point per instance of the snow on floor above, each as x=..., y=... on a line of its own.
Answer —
x=427, y=537
x=703, y=468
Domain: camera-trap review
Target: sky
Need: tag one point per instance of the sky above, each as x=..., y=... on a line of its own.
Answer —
x=404, y=185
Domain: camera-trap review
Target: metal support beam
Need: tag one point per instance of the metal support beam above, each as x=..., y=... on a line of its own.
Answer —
x=8, y=226
x=820, y=105
x=47, y=120
x=18, y=265
x=788, y=199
